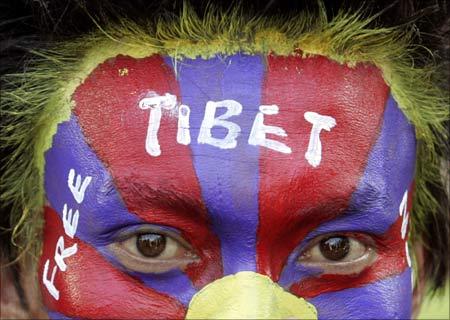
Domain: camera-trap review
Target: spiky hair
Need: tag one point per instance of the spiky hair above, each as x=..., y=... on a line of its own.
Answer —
x=37, y=98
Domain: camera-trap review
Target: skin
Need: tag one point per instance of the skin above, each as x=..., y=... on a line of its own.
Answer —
x=246, y=212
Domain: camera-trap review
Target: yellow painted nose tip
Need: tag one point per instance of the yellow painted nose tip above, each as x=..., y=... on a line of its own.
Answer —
x=248, y=295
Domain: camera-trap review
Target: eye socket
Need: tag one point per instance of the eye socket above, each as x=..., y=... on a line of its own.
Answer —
x=153, y=251
x=339, y=254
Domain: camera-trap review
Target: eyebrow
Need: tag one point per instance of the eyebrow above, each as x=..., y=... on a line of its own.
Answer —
x=365, y=197
x=149, y=197
x=368, y=196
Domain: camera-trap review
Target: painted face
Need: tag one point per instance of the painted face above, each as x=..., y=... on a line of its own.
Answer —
x=237, y=186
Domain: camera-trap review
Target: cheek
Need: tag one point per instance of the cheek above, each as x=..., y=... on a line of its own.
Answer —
x=383, y=290
x=392, y=260
x=385, y=299
x=89, y=286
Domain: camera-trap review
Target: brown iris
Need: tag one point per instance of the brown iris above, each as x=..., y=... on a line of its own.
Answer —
x=151, y=244
x=335, y=248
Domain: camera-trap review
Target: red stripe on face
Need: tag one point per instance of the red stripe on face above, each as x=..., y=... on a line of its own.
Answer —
x=92, y=288
x=160, y=190
x=294, y=196
x=391, y=260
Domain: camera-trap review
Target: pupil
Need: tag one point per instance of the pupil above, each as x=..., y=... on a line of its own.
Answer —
x=151, y=244
x=335, y=248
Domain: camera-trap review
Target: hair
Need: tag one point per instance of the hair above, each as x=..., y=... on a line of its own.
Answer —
x=48, y=49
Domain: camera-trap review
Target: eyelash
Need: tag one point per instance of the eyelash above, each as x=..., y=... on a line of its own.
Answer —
x=355, y=266
x=133, y=260
x=126, y=252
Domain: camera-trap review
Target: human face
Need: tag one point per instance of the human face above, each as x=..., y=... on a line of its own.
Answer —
x=235, y=186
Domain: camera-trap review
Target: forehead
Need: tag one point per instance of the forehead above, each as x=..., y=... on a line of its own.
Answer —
x=354, y=97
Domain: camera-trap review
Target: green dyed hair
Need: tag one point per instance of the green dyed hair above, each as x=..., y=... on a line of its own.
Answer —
x=36, y=100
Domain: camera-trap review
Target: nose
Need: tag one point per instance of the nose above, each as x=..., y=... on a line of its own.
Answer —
x=248, y=295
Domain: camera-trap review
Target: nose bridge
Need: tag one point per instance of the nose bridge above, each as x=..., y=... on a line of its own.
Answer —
x=248, y=295
x=237, y=258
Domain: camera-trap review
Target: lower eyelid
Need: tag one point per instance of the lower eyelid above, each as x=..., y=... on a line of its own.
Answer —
x=144, y=265
x=157, y=267
x=347, y=267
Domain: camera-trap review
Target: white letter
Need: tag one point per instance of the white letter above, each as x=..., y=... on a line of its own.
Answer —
x=319, y=122
x=155, y=103
x=408, y=257
x=234, y=108
x=78, y=188
x=405, y=225
x=70, y=221
x=49, y=284
x=259, y=130
x=403, y=204
x=183, y=134
x=404, y=212
x=61, y=253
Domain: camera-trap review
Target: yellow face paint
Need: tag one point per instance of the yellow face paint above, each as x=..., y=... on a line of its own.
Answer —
x=248, y=295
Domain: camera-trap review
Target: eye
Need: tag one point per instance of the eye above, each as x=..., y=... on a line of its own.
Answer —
x=339, y=254
x=151, y=245
x=153, y=252
x=337, y=248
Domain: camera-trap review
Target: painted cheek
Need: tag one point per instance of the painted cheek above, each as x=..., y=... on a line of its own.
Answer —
x=384, y=290
x=388, y=298
x=296, y=196
x=91, y=287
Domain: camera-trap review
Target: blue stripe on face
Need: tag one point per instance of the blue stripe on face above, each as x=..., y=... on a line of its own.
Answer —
x=293, y=271
x=57, y=316
x=372, y=301
x=228, y=178
x=175, y=283
x=102, y=214
x=374, y=206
